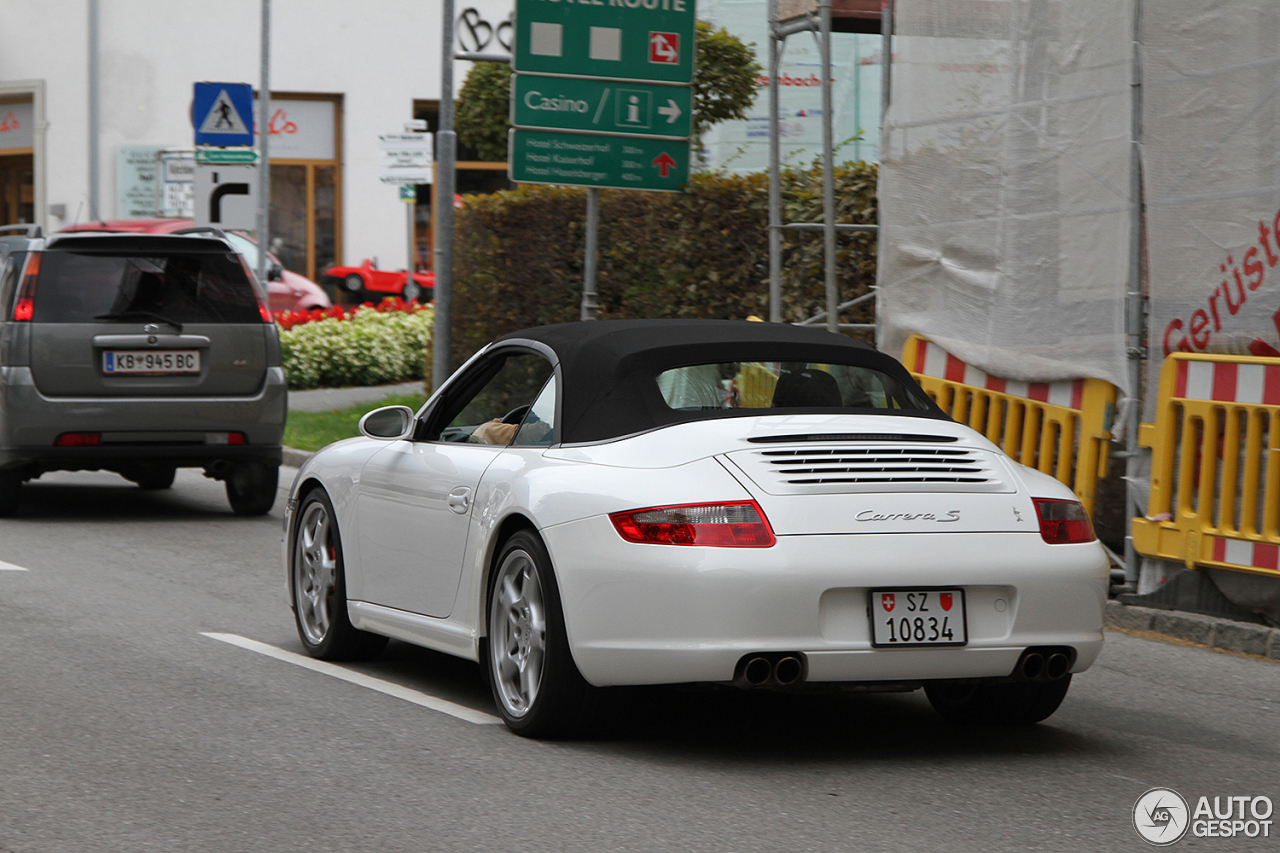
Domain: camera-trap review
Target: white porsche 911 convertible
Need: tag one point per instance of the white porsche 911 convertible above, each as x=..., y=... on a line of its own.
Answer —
x=662, y=502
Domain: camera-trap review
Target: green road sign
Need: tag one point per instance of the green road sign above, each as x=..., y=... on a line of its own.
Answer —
x=215, y=156
x=573, y=103
x=609, y=39
x=596, y=160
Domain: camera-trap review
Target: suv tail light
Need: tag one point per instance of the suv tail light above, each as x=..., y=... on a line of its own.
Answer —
x=726, y=525
x=1063, y=522
x=78, y=439
x=25, y=305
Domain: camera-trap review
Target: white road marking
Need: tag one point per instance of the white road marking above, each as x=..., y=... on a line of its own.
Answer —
x=390, y=688
x=10, y=567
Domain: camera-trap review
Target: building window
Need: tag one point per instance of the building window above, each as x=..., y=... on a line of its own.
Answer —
x=306, y=181
x=17, y=162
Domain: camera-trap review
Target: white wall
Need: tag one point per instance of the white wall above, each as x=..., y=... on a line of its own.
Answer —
x=379, y=56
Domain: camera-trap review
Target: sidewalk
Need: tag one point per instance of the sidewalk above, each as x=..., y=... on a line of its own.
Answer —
x=327, y=399
x=1213, y=632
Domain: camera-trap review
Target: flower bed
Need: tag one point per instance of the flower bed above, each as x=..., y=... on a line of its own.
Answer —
x=367, y=345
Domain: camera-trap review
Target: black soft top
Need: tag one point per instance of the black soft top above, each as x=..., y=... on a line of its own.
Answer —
x=609, y=368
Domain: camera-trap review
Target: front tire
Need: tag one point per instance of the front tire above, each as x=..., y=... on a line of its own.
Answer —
x=251, y=487
x=154, y=477
x=536, y=685
x=1011, y=704
x=353, y=283
x=319, y=585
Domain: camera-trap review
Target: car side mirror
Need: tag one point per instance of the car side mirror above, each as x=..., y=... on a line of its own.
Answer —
x=390, y=423
x=275, y=272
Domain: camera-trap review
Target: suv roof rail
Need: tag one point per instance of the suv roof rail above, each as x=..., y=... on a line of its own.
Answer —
x=27, y=228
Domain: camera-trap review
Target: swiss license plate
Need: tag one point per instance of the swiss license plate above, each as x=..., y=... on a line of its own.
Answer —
x=151, y=361
x=918, y=617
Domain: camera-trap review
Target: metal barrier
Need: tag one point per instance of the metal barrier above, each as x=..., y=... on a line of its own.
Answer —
x=1060, y=428
x=1215, y=464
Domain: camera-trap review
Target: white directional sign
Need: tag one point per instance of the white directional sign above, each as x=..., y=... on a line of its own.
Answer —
x=405, y=158
x=226, y=196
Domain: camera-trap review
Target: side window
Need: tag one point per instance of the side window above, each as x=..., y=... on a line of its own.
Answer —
x=539, y=426
x=492, y=409
x=10, y=266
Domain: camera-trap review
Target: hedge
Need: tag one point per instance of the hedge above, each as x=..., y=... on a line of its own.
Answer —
x=703, y=253
x=369, y=347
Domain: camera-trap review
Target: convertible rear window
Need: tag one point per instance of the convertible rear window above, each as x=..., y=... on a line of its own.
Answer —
x=784, y=385
x=185, y=287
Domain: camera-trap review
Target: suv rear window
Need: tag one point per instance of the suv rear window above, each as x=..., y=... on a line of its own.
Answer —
x=784, y=385
x=186, y=287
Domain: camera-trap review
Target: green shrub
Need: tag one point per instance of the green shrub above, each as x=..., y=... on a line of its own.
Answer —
x=703, y=253
x=370, y=348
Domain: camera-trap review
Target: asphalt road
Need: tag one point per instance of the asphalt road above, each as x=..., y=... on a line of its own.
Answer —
x=124, y=727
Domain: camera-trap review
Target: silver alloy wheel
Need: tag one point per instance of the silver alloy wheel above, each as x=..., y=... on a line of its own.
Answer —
x=315, y=567
x=518, y=632
x=411, y=290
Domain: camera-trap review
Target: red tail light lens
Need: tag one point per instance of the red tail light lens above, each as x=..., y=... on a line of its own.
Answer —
x=723, y=525
x=78, y=439
x=25, y=305
x=1063, y=522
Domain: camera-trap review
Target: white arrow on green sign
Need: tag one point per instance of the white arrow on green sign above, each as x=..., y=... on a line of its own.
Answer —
x=601, y=106
x=597, y=160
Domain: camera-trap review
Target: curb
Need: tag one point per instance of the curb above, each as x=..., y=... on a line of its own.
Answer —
x=293, y=457
x=1223, y=634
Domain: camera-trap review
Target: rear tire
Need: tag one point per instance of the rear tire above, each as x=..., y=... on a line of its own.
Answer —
x=10, y=492
x=536, y=685
x=1012, y=704
x=251, y=487
x=411, y=290
x=319, y=584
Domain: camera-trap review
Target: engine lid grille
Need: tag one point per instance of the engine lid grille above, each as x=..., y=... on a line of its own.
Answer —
x=847, y=470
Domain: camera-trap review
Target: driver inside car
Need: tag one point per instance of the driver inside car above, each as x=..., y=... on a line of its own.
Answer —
x=494, y=432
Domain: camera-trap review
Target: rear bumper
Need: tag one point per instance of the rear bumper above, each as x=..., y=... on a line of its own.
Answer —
x=184, y=431
x=640, y=614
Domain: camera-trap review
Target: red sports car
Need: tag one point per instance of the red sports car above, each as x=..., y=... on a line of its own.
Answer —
x=367, y=283
x=286, y=290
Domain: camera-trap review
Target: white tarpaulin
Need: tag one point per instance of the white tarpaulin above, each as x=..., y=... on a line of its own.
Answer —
x=1211, y=163
x=1005, y=185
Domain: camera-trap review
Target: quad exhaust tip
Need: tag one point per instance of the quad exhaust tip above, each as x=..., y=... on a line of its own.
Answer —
x=770, y=669
x=1044, y=664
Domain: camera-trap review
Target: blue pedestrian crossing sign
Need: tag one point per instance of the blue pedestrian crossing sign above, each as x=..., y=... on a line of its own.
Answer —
x=223, y=113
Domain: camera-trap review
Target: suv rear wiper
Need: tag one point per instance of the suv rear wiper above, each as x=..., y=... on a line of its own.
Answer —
x=140, y=315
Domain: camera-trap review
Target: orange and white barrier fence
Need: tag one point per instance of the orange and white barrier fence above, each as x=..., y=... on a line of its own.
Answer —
x=1215, y=464
x=1060, y=428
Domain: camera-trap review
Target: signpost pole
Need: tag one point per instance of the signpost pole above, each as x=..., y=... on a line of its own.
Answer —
x=264, y=144
x=590, y=304
x=412, y=266
x=446, y=157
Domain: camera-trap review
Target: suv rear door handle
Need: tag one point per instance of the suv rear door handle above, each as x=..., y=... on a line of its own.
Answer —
x=460, y=500
x=157, y=340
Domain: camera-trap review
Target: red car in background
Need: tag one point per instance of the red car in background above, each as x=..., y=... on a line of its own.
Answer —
x=367, y=283
x=286, y=291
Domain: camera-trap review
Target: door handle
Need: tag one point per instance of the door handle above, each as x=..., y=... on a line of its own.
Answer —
x=460, y=500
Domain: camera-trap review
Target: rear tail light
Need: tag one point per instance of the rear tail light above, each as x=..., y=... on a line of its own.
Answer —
x=1063, y=522
x=725, y=525
x=78, y=439
x=226, y=438
x=25, y=305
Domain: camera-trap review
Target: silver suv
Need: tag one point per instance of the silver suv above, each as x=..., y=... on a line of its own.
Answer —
x=139, y=354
